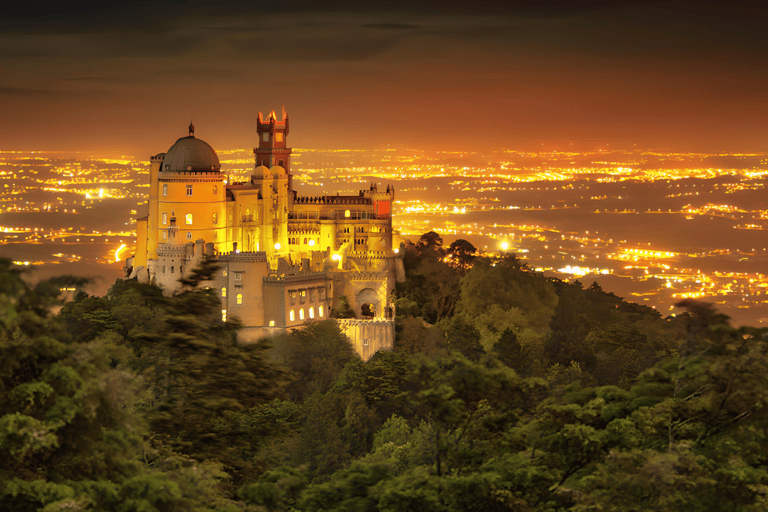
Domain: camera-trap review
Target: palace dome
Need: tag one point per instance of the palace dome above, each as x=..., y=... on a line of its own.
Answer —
x=191, y=154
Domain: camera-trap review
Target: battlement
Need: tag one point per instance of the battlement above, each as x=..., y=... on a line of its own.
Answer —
x=249, y=256
x=271, y=122
x=371, y=255
x=274, y=277
x=348, y=199
x=366, y=276
x=308, y=232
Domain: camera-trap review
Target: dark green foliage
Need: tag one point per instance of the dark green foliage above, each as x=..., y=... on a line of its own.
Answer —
x=611, y=340
x=531, y=395
x=343, y=309
x=316, y=355
x=461, y=254
x=415, y=336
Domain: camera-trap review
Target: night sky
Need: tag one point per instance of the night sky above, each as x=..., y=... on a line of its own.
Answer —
x=444, y=75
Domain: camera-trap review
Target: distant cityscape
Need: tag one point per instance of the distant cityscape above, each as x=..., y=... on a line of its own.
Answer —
x=652, y=227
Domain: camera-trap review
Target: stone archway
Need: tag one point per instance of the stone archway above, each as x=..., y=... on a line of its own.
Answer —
x=367, y=301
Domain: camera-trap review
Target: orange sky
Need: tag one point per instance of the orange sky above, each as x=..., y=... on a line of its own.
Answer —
x=428, y=74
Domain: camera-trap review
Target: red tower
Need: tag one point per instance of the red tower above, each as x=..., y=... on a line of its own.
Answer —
x=272, y=148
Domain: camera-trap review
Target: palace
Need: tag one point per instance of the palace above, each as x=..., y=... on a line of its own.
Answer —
x=284, y=259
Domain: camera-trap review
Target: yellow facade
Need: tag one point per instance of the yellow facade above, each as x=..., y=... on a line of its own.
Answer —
x=285, y=259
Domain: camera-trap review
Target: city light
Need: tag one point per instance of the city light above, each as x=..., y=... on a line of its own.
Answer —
x=571, y=215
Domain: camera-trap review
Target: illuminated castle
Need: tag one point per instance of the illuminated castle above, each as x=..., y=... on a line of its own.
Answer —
x=284, y=259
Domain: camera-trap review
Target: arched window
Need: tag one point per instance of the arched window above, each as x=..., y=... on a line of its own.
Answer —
x=292, y=316
x=223, y=315
x=320, y=311
x=301, y=314
x=188, y=218
x=311, y=312
x=239, y=298
x=224, y=291
x=347, y=214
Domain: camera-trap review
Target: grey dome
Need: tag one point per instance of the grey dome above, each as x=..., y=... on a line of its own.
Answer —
x=191, y=154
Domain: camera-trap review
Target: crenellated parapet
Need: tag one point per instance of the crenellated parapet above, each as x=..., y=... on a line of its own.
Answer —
x=366, y=276
x=302, y=232
x=274, y=277
x=348, y=200
x=371, y=255
x=245, y=256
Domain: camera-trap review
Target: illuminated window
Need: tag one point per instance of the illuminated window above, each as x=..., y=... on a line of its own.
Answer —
x=225, y=272
x=347, y=214
x=189, y=190
x=165, y=189
x=165, y=218
x=320, y=311
x=224, y=292
x=279, y=138
x=223, y=315
x=239, y=298
x=189, y=235
x=292, y=316
x=311, y=312
x=301, y=314
x=271, y=323
x=215, y=218
x=302, y=296
x=293, y=298
x=188, y=219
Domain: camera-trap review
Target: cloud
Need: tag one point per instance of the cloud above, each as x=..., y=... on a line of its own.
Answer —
x=25, y=92
x=392, y=26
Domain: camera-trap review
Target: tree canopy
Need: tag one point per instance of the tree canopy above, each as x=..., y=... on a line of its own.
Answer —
x=506, y=391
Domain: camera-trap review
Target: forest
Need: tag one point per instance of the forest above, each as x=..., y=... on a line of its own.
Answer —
x=506, y=391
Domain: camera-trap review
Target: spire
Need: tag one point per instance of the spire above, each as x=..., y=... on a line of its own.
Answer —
x=283, y=118
x=191, y=129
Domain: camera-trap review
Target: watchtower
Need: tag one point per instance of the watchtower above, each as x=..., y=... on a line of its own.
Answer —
x=272, y=150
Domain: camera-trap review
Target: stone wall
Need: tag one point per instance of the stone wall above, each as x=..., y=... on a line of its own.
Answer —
x=369, y=336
